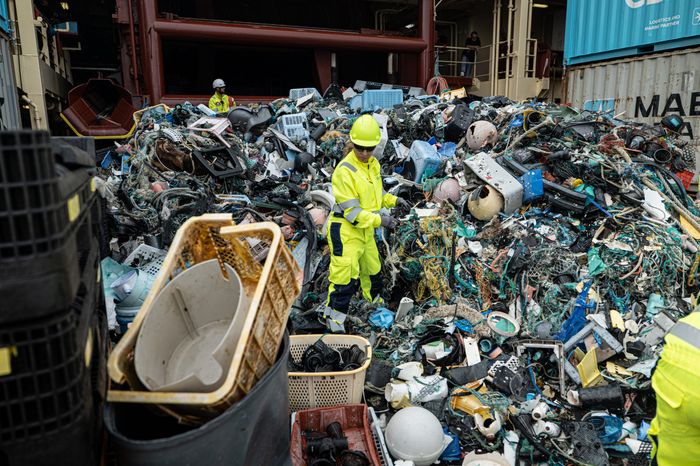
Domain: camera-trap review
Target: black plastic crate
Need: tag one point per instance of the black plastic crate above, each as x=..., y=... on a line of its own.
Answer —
x=32, y=287
x=44, y=190
x=75, y=445
x=50, y=379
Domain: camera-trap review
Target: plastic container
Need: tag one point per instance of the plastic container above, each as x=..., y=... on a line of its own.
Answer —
x=273, y=287
x=147, y=259
x=425, y=158
x=461, y=118
x=47, y=198
x=298, y=93
x=355, y=102
x=294, y=126
x=381, y=98
x=75, y=445
x=48, y=383
x=319, y=389
x=253, y=431
x=354, y=420
x=185, y=340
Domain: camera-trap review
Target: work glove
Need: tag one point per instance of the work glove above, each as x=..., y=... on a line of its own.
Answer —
x=403, y=203
x=389, y=222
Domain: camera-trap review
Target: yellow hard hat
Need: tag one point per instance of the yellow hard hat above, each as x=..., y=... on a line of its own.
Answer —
x=365, y=131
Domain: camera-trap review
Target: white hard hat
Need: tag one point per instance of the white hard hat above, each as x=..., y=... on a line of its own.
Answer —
x=415, y=434
x=481, y=133
x=218, y=83
x=484, y=203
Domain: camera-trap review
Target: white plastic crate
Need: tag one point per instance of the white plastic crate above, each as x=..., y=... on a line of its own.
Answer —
x=298, y=93
x=149, y=259
x=321, y=389
x=294, y=126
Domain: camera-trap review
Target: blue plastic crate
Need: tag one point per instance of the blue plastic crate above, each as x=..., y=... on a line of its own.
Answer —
x=355, y=102
x=381, y=98
x=294, y=126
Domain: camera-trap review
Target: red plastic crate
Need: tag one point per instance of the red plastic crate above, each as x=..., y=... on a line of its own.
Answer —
x=352, y=418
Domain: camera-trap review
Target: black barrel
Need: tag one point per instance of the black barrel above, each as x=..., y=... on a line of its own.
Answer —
x=254, y=431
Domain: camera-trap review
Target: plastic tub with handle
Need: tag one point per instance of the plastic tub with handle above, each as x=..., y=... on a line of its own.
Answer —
x=273, y=286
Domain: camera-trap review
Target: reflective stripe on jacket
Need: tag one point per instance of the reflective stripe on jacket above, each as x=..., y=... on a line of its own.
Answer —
x=359, y=193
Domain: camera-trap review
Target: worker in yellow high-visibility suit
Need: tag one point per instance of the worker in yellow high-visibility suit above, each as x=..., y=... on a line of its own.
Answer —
x=359, y=195
x=220, y=102
x=675, y=431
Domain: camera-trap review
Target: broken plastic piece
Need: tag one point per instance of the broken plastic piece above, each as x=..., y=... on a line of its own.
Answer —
x=405, y=306
x=382, y=318
x=492, y=173
x=533, y=187
x=547, y=428
x=503, y=324
x=212, y=125
x=220, y=162
x=488, y=424
x=588, y=369
x=588, y=448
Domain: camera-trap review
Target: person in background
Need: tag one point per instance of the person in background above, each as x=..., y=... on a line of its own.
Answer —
x=220, y=102
x=469, y=56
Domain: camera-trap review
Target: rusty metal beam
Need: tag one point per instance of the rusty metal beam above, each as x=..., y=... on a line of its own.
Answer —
x=285, y=36
x=426, y=31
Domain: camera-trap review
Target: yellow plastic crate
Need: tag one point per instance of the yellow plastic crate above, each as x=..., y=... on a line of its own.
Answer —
x=321, y=389
x=273, y=286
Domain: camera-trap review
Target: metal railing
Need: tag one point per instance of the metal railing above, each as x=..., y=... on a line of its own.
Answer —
x=449, y=61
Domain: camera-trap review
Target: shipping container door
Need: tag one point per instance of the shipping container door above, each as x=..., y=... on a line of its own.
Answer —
x=4, y=16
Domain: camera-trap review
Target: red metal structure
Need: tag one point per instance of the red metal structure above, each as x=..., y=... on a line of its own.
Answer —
x=415, y=55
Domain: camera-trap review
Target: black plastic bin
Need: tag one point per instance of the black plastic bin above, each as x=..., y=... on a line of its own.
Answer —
x=50, y=377
x=254, y=431
x=47, y=217
x=74, y=445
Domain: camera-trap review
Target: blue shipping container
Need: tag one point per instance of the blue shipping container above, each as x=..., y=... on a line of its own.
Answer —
x=4, y=16
x=603, y=29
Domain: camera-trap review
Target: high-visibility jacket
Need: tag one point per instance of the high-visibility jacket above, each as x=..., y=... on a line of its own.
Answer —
x=675, y=430
x=358, y=191
x=221, y=102
x=359, y=196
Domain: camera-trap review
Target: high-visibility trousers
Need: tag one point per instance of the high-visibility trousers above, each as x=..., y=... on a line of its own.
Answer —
x=354, y=258
x=675, y=430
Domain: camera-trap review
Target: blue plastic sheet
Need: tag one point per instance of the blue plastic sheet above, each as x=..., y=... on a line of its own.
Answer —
x=464, y=325
x=448, y=149
x=577, y=320
x=382, y=318
x=608, y=428
x=453, y=452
